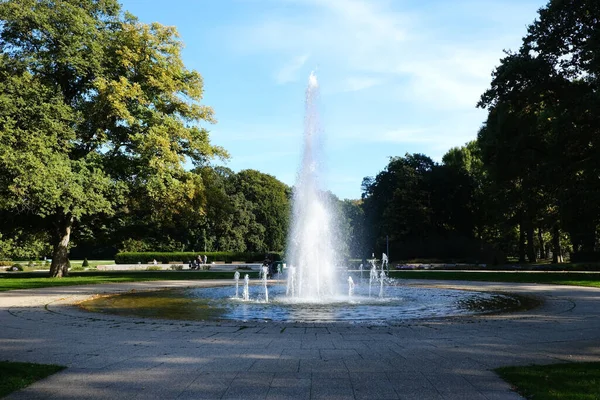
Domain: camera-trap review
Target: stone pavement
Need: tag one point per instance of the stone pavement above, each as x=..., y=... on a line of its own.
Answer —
x=110, y=357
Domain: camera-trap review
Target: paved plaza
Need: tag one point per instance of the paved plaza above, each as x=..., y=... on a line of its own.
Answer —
x=110, y=357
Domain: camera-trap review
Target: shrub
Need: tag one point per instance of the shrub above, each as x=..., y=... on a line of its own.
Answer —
x=85, y=263
x=176, y=267
x=77, y=268
x=165, y=258
x=154, y=268
x=585, y=256
x=6, y=263
x=15, y=267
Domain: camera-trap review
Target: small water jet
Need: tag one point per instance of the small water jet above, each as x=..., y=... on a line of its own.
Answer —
x=372, y=275
x=246, y=293
x=265, y=272
x=236, y=277
x=350, y=287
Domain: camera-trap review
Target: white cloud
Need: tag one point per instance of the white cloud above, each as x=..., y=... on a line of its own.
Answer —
x=289, y=72
x=354, y=84
x=415, y=52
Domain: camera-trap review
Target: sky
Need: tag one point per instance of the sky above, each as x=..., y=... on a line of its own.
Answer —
x=395, y=76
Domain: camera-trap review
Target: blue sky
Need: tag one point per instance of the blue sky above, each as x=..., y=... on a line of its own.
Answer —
x=396, y=76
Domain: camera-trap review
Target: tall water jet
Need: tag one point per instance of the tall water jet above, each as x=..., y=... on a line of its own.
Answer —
x=311, y=247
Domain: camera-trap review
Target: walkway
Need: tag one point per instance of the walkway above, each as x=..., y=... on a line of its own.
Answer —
x=112, y=357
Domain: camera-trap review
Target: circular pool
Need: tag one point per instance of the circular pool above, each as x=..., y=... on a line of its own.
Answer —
x=397, y=303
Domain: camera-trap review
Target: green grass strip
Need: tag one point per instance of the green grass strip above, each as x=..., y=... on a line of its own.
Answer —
x=16, y=375
x=32, y=280
x=556, y=278
x=573, y=381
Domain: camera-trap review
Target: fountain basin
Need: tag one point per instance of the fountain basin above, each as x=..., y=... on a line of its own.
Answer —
x=400, y=303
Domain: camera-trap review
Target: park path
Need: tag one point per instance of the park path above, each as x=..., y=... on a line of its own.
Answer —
x=111, y=357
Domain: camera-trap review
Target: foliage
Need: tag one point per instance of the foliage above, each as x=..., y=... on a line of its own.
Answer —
x=98, y=105
x=32, y=280
x=247, y=211
x=17, y=375
x=423, y=209
x=540, y=142
x=85, y=263
x=165, y=258
x=582, y=257
x=15, y=267
x=351, y=221
x=575, y=381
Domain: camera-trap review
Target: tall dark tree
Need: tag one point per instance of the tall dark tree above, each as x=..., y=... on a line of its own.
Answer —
x=541, y=136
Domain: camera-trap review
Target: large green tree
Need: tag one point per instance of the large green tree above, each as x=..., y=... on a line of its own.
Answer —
x=540, y=142
x=271, y=200
x=94, y=105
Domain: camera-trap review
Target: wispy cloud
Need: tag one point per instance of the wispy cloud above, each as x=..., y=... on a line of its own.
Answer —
x=408, y=48
x=354, y=84
x=289, y=72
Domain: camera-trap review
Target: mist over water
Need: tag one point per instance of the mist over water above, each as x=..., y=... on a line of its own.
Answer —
x=312, y=248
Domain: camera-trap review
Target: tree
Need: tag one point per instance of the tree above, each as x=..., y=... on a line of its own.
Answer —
x=541, y=136
x=271, y=206
x=93, y=105
x=353, y=227
x=566, y=37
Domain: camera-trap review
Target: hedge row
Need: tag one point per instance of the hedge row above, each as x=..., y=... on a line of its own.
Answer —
x=585, y=256
x=185, y=257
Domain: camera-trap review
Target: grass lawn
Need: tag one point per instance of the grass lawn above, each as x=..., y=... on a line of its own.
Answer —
x=557, y=278
x=573, y=381
x=16, y=375
x=31, y=280
x=91, y=263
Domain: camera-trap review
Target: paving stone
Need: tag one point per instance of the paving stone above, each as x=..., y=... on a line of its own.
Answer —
x=331, y=389
x=128, y=358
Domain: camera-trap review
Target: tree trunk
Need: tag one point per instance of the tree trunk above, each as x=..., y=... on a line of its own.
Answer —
x=521, y=243
x=556, y=251
x=542, y=245
x=530, y=245
x=60, y=257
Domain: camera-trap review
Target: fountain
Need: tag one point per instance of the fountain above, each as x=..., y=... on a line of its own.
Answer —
x=314, y=292
x=311, y=244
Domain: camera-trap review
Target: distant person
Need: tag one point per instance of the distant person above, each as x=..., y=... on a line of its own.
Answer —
x=205, y=259
x=199, y=260
x=154, y=262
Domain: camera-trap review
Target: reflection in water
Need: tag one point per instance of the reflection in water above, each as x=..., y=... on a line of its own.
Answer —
x=400, y=303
